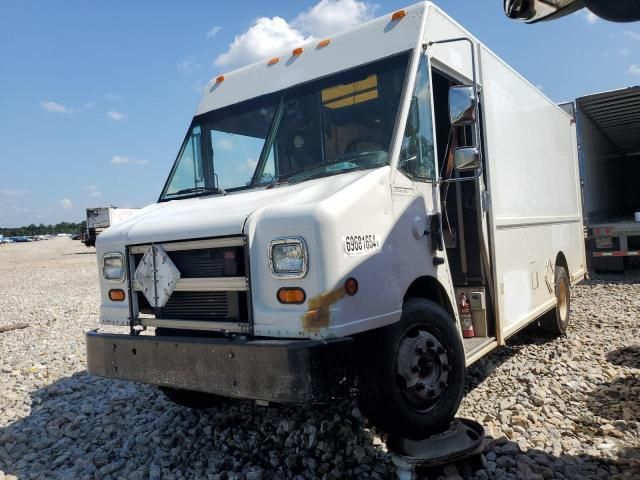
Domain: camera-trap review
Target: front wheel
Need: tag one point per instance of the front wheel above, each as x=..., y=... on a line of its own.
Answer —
x=412, y=372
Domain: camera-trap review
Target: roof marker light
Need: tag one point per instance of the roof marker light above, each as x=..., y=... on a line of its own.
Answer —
x=273, y=61
x=399, y=15
x=220, y=79
x=323, y=43
x=297, y=51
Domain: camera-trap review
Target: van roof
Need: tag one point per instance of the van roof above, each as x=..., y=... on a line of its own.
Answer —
x=379, y=38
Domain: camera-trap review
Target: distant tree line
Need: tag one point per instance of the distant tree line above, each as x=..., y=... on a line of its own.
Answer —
x=42, y=229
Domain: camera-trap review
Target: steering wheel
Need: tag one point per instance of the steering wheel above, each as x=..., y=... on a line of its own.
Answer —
x=351, y=147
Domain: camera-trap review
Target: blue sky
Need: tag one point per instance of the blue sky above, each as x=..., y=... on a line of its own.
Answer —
x=96, y=96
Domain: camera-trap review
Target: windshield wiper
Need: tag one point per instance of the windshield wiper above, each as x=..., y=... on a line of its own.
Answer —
x=280, y=179
x=184, y=191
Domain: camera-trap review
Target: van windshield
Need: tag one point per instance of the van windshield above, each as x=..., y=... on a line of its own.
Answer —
x=337, y=124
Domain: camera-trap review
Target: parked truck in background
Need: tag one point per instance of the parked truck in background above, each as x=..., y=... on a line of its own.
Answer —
x=101, y=218
x=608, y=126
x=381, y=207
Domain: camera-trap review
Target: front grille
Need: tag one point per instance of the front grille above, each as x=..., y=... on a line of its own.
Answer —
x=207, y=263
x=211, y=306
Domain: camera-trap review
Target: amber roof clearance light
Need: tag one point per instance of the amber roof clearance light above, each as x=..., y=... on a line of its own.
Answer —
x=399, y=15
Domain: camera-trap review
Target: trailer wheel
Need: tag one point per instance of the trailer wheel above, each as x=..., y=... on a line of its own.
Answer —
x=411, y=377
x=557, y=320
x=192, y=399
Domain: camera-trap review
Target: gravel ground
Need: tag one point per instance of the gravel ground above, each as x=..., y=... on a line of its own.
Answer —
x=552, y=408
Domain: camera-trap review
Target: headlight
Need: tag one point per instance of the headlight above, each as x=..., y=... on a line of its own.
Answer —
x=113, y=266
x=288, y=257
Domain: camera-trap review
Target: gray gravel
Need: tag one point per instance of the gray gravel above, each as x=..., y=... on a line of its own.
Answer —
x=553, y=408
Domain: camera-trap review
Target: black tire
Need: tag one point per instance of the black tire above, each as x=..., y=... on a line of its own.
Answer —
x=392, y=401
x=557, y=320
x=192, y=399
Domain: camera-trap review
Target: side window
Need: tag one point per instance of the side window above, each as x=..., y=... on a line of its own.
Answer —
x=417, y=155
x=188, y=173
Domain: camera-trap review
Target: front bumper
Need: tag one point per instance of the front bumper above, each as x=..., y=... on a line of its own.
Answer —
x=288, y=371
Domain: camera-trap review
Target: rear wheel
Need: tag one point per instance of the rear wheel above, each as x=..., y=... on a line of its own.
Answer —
x=412, y=372
x=192, y=399
x=557, y=320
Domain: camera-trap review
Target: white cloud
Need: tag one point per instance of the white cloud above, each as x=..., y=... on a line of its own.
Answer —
x=120, y=159
x=268, y=36
x=115, y=115
x=56, y=107
x=93, y=191
x=124, y=160
x=213, y=32
x=224, y=144
x=264, y=38
x=66, y=203
x=331, y=16
x=632, y=35
x=589, y=16
x=89, y=104
x=634, y=69
x=188, y=65
x=11, y=192
x=112, y=96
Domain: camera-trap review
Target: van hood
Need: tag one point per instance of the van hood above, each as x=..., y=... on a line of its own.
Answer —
x=218, y=215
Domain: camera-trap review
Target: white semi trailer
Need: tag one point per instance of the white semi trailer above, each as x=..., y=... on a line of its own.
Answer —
x=382, y=207
x=608, y=125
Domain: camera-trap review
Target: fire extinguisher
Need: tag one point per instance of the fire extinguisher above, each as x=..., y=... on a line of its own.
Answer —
x=465, y=317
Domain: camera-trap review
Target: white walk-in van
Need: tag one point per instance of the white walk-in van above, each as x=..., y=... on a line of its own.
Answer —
x=378, y=208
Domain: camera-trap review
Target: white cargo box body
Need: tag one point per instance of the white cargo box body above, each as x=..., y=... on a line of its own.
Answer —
x=534, y=192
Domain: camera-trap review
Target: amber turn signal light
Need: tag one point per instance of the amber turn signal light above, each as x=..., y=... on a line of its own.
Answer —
x=116, y=295
x=293, y=295
x=351, y=286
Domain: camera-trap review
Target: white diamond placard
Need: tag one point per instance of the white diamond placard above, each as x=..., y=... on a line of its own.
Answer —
x=157, y=276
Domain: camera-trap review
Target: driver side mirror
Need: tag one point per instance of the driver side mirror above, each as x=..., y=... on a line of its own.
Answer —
x=462, y=105
x=466, y=159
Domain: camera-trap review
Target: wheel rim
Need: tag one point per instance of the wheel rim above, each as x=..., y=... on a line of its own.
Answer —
x=563, y=301
x=422, y=367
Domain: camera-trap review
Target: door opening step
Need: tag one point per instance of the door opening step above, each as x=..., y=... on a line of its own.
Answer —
x=474, y=348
